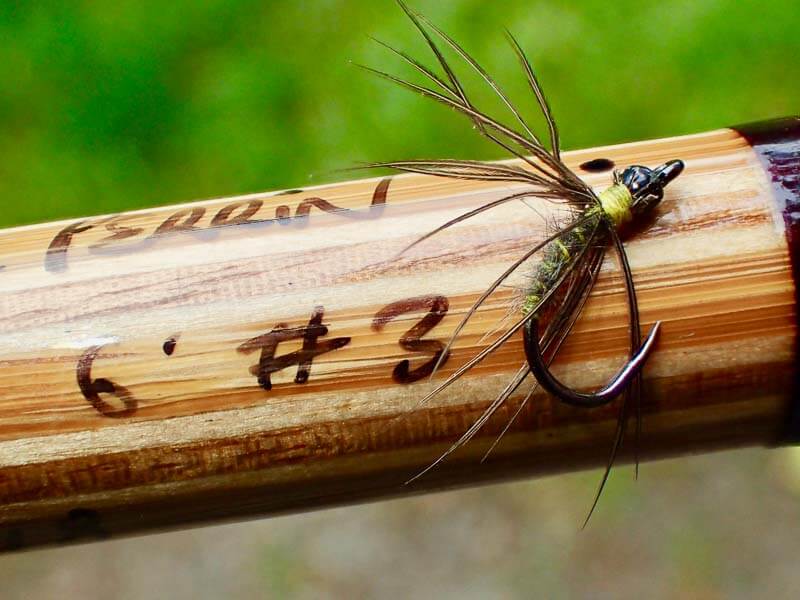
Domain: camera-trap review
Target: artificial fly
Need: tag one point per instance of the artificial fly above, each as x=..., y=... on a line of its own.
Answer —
x=571, y=257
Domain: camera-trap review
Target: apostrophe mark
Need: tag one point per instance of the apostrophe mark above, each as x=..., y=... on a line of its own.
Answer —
x=169, y=345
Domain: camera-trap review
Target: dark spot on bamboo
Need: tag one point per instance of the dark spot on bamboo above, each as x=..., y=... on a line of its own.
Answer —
x=597, y=165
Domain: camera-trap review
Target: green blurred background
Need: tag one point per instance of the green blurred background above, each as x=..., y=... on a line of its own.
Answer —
x=106, y=106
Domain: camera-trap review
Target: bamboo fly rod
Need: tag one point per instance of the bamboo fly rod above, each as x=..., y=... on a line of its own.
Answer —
x=267, y=353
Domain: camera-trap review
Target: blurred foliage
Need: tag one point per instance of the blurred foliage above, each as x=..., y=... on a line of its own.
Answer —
x=107, y=106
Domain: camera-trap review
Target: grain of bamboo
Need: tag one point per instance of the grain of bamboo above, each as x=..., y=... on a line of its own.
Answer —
x=130, y=395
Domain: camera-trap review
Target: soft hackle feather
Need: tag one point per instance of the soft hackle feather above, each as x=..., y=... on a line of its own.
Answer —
x=550, y=180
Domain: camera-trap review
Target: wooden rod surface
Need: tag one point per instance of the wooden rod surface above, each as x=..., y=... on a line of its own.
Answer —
x=130, y=391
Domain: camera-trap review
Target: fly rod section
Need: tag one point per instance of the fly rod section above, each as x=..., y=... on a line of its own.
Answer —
x=270, y=353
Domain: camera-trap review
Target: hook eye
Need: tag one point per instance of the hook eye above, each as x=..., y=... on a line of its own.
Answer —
x=669, y=171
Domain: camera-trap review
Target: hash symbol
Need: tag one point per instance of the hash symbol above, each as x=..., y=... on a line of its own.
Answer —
x=268, y=344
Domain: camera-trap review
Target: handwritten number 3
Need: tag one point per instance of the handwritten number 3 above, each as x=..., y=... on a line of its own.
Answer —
x=437, y=307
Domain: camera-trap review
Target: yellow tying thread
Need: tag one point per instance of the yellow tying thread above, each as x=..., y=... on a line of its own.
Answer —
x=616, y=203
